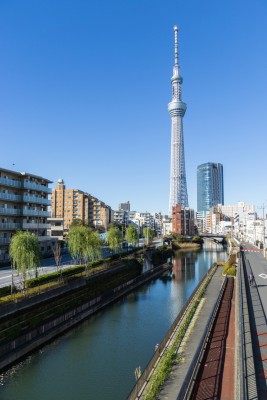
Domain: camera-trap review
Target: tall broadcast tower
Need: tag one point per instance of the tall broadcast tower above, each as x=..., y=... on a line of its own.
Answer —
x=177, y=108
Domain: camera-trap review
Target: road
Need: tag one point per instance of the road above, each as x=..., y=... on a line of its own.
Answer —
x=255, y=262
x=48, y=265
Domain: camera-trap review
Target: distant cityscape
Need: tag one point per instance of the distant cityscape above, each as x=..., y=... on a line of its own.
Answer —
x=25, y=201
x=25, y=204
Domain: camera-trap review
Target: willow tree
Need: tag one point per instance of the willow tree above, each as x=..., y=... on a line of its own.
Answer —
x=84, y=243
x=24, y=253
x=114, y=238
x=131, y=235
x=148, y=235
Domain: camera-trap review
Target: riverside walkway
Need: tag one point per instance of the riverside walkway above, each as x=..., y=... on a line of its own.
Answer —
x=234, y=363
x=178, y=374
x=253, y=261
x=224, y=352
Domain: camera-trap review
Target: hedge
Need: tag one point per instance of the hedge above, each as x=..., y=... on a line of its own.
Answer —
x=5, y=291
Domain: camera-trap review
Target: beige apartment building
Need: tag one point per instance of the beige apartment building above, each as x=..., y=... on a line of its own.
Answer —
x=24, y=203
x=71, y=204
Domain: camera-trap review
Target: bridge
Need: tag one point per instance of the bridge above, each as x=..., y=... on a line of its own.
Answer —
x=225, y=354
x=212, y=235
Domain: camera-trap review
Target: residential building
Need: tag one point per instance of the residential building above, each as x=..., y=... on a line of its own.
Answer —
x=100, y=214
x=74, y=204
x=166, y=225
x=24, y=203
x=56, y=228
x=124, y=206
x=183, y=220
x=121, y=217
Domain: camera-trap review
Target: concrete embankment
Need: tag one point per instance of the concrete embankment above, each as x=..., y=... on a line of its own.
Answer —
x=14, y=349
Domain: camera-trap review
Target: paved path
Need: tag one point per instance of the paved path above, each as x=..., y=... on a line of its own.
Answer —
x=257, y=302
x=177, y=376
x=228, y=377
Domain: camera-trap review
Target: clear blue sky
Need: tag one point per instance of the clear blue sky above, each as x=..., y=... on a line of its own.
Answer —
x=84, y=87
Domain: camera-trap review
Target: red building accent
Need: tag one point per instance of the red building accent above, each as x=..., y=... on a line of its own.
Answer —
x=183, y=220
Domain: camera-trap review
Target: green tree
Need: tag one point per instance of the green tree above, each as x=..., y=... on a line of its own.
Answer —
x=24, y=253
x=84, y=243
x=148, y=235
x=131, y=235
x=114, y=238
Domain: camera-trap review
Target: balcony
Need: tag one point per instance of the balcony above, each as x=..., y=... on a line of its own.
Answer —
x=4, y=241
x=9, y=211
x=36, y=186
x=35, y=199
x=10, y=182
x=34, y=225
x=10, y=226
x=43, y=238
x=36, y=213
x=8, y=196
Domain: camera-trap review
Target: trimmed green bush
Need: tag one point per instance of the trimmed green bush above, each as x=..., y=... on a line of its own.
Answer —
x=231, y=271
x=5, y=291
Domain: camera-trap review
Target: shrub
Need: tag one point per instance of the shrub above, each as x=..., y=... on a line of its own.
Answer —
x=5, y=291
x=225, y=268
x=232, y=259
x=231, y=271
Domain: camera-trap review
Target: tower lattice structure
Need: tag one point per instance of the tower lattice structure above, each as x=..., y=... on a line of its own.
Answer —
x=177, y=109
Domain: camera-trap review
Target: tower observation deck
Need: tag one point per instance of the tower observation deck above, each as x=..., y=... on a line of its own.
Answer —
x=177, y=108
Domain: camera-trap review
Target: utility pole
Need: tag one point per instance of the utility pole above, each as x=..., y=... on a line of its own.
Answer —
x=263, y=226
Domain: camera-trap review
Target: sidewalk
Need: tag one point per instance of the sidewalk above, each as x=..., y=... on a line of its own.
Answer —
x=176, y=378
x=257, y=305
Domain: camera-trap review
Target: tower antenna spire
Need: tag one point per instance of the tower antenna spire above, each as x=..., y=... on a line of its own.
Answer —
x=177, y=109
x=176, y=61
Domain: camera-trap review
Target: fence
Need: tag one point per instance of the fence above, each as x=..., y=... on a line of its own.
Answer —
x=135, y=393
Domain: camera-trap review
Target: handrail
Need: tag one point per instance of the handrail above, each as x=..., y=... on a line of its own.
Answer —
x=194, y=365
x=143, y=378
x=243, y=375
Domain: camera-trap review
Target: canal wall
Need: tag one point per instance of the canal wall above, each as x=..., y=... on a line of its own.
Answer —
x=174, y=337
x=13, y=350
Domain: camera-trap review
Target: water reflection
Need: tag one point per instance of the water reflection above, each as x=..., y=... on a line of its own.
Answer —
x=97, y=359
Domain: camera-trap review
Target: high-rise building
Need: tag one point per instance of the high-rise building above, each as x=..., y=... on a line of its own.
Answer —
x=24, y=202
x=209, y=186
x=177, y=108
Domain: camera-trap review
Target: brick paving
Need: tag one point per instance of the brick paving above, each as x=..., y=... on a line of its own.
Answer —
x=209, y=381
x=228, y=377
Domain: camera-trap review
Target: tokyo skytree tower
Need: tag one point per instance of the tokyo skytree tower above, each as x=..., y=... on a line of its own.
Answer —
x=177, y=108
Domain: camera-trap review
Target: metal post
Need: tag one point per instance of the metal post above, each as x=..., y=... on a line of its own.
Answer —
x=12, y=283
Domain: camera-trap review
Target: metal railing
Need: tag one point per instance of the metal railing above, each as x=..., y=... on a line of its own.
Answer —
x=35, y=199
x=10, y=225
x=34, y=225
x=8, y=196
x=10, y=182
x=147, y=371
x=243, y=372
x=10, y=211
x=36, y=186
x=36, y=213
x=4, y=240
x=195, y=363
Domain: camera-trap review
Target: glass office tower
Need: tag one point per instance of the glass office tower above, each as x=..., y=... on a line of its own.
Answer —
x=209, y=186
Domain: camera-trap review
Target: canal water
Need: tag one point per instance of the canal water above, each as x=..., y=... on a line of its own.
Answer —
x=97, y=359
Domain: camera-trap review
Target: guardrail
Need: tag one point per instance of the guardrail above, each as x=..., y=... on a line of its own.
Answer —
x=243, y=372
x=147, y=371
x=196, y=361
